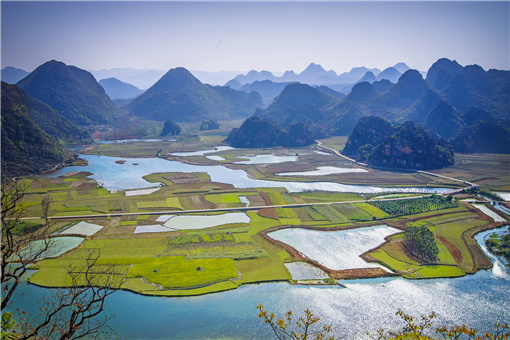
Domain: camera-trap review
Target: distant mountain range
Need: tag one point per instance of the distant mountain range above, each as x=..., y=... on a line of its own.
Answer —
x=464, y=105
x=12, y=75
x=452, y=100
x=181, y=97
x=116, y=89
x=316, y=75
x=142, y=79
x=71, y=91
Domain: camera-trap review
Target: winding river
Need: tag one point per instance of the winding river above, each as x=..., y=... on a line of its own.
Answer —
x=113, y=176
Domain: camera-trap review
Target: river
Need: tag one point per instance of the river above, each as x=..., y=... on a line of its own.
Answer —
x=113, y=176
x=477, y=300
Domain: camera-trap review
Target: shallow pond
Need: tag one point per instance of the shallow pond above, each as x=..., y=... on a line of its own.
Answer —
x=365, y=305
x=267, y=159
x=114, y=176
x=489, y=212
x=202, y=152
x=323, y=171
x=504, y=195
x=187, y=222
x=57, y=246
x=83, y=228
x=336, y=250
x=121, y=141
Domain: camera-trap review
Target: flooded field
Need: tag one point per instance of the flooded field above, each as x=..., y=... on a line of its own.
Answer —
x=337, y=250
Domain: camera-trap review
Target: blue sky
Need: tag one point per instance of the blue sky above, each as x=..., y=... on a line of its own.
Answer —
x=274, y=36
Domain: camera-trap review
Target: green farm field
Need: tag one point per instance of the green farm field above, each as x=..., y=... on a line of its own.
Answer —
x=202, y=261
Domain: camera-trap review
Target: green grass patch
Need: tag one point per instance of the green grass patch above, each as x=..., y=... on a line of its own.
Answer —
x=175, y=272
x=352, y=212
x=370, y=209
x=331, y=214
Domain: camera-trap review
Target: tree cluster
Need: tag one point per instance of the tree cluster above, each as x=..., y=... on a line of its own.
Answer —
x=171, y=128
x=420, y=242
x=209, y=124
x=414, y=206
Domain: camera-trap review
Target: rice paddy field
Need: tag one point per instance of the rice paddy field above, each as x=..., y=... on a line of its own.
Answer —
x=156, y=257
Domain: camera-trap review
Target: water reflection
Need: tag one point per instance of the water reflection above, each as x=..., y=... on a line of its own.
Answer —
x=114, y=176
x=365, y=305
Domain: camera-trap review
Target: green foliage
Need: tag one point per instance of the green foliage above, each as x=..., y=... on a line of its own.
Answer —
x=26, y=148
x=414, y=206
x=8, y=323
x=411, y=147
x=369, y=131
x=171, y=128
x=420, y=242
x=209, y=124
x=302, y=329
x=499, y=245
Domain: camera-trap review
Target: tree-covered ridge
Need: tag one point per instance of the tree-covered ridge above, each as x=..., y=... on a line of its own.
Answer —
x=420, y=242
x=26, y=148
x=411, y=147
x=73, y=92
x=181, y=97
x=407, y=146
x=299, y=102
x=52, y=122
x=369, y=131
x=256, y=132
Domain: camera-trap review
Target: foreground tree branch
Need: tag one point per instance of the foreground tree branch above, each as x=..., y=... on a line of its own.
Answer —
x=66, y=313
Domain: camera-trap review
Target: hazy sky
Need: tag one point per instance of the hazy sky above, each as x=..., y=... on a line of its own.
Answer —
x=274, y=36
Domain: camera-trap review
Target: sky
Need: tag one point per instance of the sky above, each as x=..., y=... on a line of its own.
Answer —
x=275, y=36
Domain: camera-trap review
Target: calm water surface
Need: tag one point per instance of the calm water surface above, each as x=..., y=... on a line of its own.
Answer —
x=115, y=176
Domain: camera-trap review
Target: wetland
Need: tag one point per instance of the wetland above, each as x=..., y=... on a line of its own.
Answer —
x=162, y=218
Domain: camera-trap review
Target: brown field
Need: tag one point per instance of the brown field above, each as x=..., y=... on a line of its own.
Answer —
x=360, y=272
x=457, y=255
x=268, y=212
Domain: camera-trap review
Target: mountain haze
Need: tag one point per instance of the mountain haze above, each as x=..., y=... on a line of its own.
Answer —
x=12, y=75
x=116, y=89
x=181, y=97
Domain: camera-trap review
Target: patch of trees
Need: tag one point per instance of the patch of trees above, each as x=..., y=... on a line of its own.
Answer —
x=256, y=132
x=209, y=124
x=420, y=242
x=171, y=128
x=415, y=205
x=499, y=246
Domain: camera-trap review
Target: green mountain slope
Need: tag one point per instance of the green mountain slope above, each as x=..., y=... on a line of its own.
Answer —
x=73, y=92
x=181, y=97
x=26, y=148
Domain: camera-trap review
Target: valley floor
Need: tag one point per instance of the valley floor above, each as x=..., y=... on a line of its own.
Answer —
x=159, y=258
